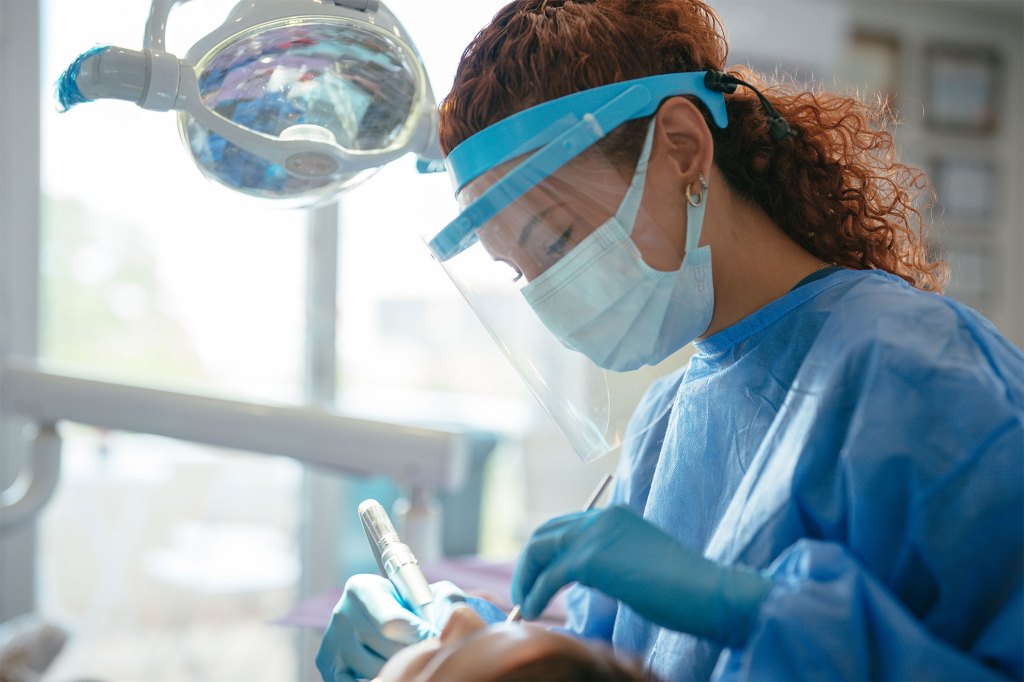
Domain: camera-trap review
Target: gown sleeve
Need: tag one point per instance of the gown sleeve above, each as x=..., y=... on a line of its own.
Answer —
x=828, y=618
x=908, y=488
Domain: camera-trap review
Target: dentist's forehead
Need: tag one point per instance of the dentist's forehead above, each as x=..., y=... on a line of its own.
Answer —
x=589, y=173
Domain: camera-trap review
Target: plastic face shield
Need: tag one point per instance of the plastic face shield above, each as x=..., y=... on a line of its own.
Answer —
x=540, y=203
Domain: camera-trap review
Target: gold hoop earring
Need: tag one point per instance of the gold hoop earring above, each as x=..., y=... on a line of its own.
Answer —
x=700, y=195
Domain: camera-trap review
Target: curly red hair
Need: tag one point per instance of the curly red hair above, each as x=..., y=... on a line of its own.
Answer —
x=837, y=188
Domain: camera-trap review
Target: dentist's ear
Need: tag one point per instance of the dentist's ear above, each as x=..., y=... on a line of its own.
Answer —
x=682, y=141
x=682, y=153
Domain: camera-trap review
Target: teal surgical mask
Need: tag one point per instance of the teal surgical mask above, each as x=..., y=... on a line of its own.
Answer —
x=605, y=302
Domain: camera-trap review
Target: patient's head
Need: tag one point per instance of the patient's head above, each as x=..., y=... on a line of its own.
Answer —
x=468, y=649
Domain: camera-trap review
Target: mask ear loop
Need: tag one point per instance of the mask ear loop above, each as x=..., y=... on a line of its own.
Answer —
x=630, y=206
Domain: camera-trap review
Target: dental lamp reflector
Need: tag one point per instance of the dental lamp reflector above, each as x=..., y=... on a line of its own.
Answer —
x=288, y=100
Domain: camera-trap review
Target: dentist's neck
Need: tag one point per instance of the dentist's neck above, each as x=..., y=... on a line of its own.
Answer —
x=753, y=261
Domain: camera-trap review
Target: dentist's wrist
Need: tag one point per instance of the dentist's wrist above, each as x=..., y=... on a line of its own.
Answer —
x=743, y=591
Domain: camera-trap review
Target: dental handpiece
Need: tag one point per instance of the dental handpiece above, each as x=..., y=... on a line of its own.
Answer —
x=396, y=559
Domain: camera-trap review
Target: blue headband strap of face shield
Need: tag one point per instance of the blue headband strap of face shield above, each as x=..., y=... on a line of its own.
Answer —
x=534, y=127
x=569, y=125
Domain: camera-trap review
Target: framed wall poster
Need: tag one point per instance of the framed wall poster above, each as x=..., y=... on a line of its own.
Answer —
x=962, y=83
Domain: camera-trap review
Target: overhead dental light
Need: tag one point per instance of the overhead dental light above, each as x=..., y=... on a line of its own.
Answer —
x=288, y=100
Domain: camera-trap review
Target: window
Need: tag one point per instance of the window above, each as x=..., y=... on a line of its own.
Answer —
x=165, y=560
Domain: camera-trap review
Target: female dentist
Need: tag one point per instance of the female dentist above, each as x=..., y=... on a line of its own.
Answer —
x=832, y=488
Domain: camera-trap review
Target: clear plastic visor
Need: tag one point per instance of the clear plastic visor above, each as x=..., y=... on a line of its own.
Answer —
x=560, y=276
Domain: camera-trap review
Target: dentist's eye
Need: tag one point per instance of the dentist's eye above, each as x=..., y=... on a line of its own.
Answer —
x=557, y=247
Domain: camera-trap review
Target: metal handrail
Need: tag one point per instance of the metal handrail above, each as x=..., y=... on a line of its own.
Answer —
x=411, y=455
x=22, y=501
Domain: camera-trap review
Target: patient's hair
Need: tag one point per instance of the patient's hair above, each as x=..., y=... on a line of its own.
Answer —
x=597, y=663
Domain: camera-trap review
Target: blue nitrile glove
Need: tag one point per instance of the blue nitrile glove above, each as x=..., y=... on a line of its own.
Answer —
x=370, y=623
x=618, y=553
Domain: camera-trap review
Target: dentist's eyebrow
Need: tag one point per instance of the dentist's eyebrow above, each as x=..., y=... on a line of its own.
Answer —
x=528, y=228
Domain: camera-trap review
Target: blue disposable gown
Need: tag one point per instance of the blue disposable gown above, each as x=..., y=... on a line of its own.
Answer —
x=859, y=441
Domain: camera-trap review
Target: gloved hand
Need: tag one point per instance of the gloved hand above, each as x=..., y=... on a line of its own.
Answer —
x=618, y=553
x=370, y=623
